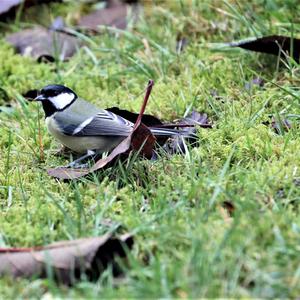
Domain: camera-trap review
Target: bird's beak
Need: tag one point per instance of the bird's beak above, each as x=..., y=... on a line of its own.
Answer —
x=40, y=98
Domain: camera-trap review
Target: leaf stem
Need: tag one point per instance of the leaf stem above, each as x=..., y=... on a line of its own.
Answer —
x=146, y=98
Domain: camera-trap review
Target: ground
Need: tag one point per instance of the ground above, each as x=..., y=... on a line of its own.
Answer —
x=187, y=242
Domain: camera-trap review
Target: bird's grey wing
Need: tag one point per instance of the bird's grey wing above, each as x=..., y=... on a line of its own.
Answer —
x=104, y=123
x=97, y=123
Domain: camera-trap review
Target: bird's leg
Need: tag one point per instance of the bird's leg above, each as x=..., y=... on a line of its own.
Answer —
x=76, y=162
x=63, y=151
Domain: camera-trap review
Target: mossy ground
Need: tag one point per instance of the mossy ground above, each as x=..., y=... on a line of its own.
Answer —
x=186, y=245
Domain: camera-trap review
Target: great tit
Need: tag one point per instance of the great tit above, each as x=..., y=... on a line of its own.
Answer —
x=83, y=127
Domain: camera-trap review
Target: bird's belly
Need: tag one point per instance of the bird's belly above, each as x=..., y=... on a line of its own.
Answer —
x=83, y=144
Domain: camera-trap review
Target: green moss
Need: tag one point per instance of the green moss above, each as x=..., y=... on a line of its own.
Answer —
x=187, y=244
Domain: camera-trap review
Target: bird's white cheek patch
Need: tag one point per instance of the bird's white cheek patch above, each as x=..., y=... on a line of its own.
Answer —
x=62, y=100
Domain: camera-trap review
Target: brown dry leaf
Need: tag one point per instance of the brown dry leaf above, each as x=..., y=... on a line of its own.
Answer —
x=40, y=43
x=141, y=139
x=9, y=7
x=66, y=260
x=114, y=15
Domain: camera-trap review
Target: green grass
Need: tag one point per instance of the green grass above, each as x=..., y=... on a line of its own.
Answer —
x=186, y=245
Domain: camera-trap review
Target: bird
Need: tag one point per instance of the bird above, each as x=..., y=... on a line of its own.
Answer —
x=83, y=127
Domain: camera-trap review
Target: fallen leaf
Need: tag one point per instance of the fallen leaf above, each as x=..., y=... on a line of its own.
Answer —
x=141, y=139
x=116, y=14
x=274, y=44
x=8, y=7
x=41, y=43
x=66, y=260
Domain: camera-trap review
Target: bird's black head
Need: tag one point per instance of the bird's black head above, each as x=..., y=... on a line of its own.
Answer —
x=55, y=98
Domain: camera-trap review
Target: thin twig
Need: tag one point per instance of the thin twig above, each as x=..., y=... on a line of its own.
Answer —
x=146, y=98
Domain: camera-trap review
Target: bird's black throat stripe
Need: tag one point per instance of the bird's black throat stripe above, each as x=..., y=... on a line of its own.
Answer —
x=50, y=108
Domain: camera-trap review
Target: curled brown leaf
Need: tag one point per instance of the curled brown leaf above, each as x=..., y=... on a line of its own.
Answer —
x=66, y=260
x=41, y=43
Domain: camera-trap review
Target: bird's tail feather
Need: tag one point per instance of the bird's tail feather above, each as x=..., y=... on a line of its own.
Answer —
x=169, y=132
